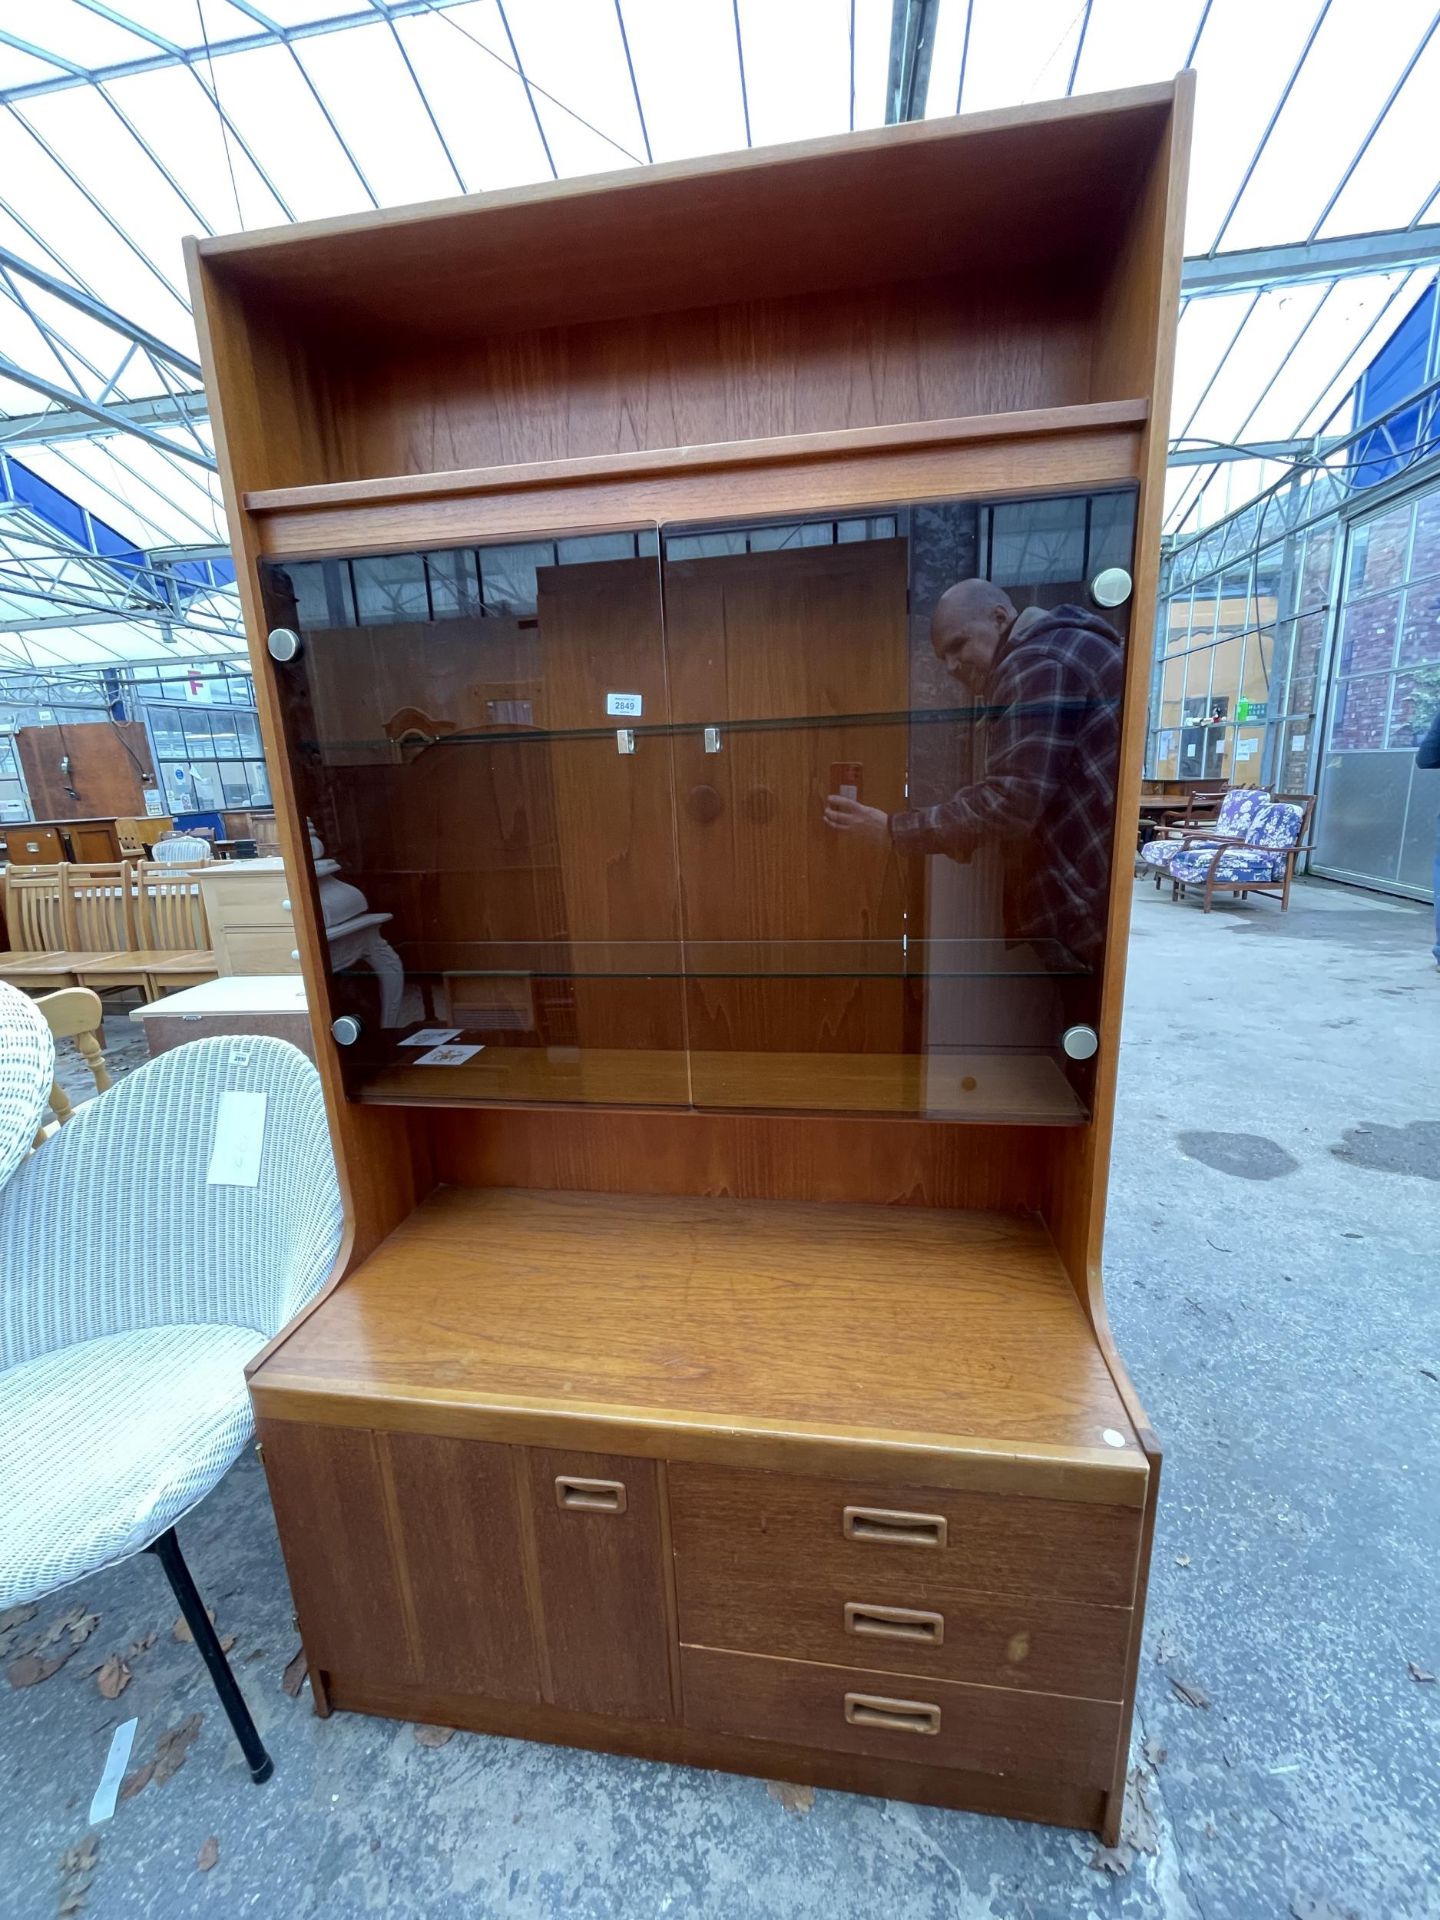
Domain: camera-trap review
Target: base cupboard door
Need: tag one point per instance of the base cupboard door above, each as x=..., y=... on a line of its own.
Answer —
x=405, y=1558
x=603, y=1582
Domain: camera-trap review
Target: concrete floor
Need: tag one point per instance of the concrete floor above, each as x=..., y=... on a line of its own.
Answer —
x=1272, y=1266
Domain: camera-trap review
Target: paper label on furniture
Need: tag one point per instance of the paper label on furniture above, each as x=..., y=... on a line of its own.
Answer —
x=448, y=1056
x=239, y=1137
x=116, y=1761
x=628, y=705
x=430, y=1037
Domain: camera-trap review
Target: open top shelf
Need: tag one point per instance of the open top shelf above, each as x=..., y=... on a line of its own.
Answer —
x=952, y=1342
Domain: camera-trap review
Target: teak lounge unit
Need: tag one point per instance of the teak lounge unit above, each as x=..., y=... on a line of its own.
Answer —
x=717, y=1368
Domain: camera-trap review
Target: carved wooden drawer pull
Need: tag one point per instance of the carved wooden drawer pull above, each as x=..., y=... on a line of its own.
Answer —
x=589, y=1496
x=895, y=1623
x=900, y=1529
x=895, y=1716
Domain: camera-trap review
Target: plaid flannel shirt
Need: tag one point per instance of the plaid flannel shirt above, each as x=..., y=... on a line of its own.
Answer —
x=1047, y=795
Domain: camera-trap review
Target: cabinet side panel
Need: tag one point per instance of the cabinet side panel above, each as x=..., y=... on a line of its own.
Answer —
x=1136, y=349
x=261, y=419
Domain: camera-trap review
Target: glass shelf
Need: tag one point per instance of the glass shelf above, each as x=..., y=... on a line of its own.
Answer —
x=419, y=740
x=1010, y=1088
x=895, y=959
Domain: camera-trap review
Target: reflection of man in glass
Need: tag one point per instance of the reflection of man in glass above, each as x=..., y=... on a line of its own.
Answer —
x=1051, y=684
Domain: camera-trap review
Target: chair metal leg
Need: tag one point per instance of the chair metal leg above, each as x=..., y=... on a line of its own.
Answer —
x=167, y=1551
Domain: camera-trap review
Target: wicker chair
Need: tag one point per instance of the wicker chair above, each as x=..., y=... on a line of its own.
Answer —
x=135, y=1292
x=27, y=1069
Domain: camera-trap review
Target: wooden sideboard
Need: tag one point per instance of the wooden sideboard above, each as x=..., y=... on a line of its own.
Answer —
x=717, y=1366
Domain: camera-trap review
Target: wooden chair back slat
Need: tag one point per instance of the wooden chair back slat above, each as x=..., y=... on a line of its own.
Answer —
x=170, y=909
x=35, y=909
x=99, y=909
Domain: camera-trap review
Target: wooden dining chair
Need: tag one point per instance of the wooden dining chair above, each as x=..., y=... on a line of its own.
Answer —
x=174, y=933
x=74, y=1013
x=35, y=917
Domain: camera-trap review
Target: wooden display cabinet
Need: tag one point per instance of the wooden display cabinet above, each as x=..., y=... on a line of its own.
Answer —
x=717, y=1368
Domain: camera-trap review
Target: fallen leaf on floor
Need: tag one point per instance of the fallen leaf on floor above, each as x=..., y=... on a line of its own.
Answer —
x=1418, y=1673
x=227, y=1643
x=75, y=1622
x=1192, y=1695
x=11, y=1621
x=1139, y=1830
x=31, y=1667
x=181, y=1629
x=1307, y=1909
x=114, y=1677
x=295, y=1671
x=1182, y=1559
x=1154, y=1754
x=77, y=1870
x=143, y=1644
x=167, y=1759
x=207, y=1856
x=794, y=1799
x=434, y=1736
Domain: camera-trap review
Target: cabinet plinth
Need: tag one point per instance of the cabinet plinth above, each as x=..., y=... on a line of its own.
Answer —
x=697, y=685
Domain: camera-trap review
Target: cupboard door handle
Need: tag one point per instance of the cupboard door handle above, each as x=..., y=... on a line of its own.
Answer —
x=589, y=1496
x=900, y=1529
x=895, y=1623
x=896, y=1716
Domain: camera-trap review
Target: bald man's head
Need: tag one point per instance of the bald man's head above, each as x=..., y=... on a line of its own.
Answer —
x=969, y=622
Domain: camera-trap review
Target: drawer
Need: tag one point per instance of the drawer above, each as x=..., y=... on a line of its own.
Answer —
x=935, y=1722
x=260, y=950
x=763, y=1541
x=993, y=1640
x=233, y=901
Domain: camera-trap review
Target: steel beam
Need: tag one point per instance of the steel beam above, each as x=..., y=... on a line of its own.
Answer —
x=912, y=42
x=1353, y=253
x=105, y=416
x=123, y=416
x=274, y=35
x=1212, y=456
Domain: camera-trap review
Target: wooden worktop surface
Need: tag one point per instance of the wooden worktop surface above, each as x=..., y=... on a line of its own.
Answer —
x=949, y=1345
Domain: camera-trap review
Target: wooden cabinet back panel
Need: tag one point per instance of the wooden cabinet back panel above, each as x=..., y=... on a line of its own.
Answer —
x=746, y=1539
x=990, y=1729
x=602, y=1581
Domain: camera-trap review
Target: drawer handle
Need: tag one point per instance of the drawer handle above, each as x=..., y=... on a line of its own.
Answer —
x=589, y=1496
x=900, y=1529
x=896, y=1716
x=895, y=1623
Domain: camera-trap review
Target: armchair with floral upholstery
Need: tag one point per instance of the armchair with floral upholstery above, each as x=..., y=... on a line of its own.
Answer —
x=1263, y=863
x=1238, y=812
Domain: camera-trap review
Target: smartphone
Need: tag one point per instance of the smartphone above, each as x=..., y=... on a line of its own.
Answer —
x=845, y=778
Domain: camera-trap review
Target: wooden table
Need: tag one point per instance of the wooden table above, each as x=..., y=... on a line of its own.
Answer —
x=255, y=1003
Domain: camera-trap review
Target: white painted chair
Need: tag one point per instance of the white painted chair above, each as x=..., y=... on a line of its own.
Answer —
x=134, y=1293
x=184, y=850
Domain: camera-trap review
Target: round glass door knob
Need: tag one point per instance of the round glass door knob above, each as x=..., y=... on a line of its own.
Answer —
x=1080, y=1043
x=284, y=644
x=346, y=1030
